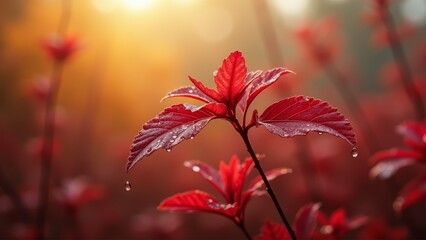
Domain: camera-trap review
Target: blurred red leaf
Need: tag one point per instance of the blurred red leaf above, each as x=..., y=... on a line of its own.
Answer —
x=273, y=231
x=299, y=115
x=61, y=48
x=414, y=134
x=172, y=126
x=306, y=221
x=338, y=225
x=413, y=192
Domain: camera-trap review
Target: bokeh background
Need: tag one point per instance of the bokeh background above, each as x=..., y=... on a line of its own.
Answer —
x=134, y=51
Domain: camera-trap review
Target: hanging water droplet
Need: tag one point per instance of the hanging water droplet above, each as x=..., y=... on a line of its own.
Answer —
x=127, y=186
x=354, y=152
x=320, y=133
x=168, y=150
x=192, y=137
x=196, y=169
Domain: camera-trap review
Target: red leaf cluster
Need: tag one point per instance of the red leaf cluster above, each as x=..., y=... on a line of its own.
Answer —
x=311, y=223
x=388, y=162
x=229, y=181
x=235, y=87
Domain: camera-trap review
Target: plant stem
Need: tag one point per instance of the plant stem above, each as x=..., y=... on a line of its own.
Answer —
x=47, y=154
x=243, y=228
x=399, y=56
x=268, y=186
x=49, y=128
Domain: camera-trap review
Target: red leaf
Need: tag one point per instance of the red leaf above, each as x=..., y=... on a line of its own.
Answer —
x=414, y=134
x=388, y=162
x=190, y=92
x=197, y=201
x=270, y=175
x=257, y=183
x=259, y=80
x=396, y=154
x=413, y=192
x=207, y=91
x=273, y=231
x=230, y=175
x=306, y=221
x=230, y=78
x=209, y=173
x=244, y=170
x=299, y=115
x=171, y=127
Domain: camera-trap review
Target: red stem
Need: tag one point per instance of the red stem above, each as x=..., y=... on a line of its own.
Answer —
x=244, y=135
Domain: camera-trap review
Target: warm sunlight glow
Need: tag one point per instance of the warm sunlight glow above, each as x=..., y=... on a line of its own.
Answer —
x=291, y=8
x=105, y=5
x=185, y=2
x=136, y=5
x=214, y=24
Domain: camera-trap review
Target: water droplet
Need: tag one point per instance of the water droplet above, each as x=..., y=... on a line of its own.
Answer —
x=190, y=91
x=127, y=186
x=168, y=150
x=354, y=152
x=196, y=169
x=171, y=140
x=192, y=137
x=174, y=136
x=320, y=133
x=214, y=73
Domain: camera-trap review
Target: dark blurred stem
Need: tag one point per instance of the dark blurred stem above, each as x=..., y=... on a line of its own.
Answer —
x=401, y=59
x=354, y=106
x=243, y=228
x=49, y=129
x=244, y=135
x=268, y=34
x=10, y=191
x=47, y=153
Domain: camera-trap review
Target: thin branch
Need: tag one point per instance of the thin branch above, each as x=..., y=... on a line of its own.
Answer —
x=401, y=59
x=49, y=129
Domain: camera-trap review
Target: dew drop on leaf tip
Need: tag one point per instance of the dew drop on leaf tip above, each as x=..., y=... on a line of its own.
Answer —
x=354, y=152
x=127, y=186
